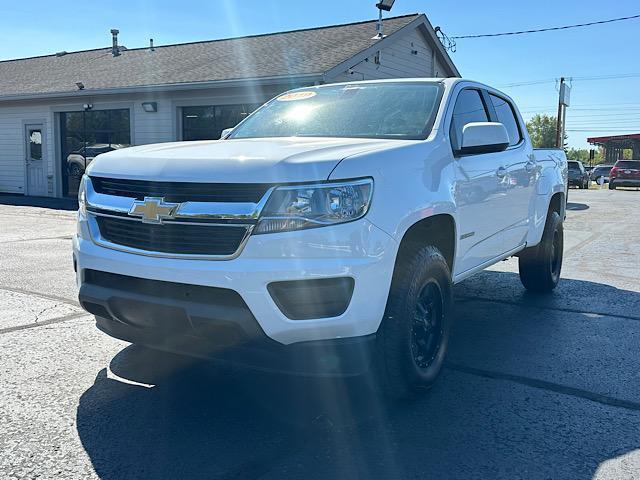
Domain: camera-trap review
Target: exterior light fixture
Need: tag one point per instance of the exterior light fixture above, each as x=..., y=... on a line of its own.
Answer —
x=385, y=5
x=150, y=107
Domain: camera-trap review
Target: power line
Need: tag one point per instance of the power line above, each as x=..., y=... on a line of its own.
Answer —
x=601, y=117
x=607, y=115
x=578, y=109
x=538, y=30
x=572, y=79
x=615, y=123
x=526, y=84
x=608, y=130
x=636, y=104
x=631, y=116
x=604, y=109
x=605, y=77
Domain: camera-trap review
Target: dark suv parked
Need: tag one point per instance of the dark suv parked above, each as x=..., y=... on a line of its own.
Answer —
x=601, y=171
x=578, y=176
x=625, y=173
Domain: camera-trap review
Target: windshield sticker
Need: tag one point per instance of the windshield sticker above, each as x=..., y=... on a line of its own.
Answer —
x=293, y=96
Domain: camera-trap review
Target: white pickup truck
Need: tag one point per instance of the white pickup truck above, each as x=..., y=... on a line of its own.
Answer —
x=323, y=234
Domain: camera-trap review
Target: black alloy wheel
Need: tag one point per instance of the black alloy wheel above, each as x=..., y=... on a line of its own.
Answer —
x=427, y=326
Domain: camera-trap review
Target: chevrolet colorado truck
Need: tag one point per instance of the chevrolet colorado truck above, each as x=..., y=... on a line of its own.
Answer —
x=322, y=235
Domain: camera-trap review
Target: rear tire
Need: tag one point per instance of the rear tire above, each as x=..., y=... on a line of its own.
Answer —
x=414, y=334
x=540, y=266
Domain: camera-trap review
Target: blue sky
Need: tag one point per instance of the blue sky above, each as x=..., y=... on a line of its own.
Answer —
x=599, y=107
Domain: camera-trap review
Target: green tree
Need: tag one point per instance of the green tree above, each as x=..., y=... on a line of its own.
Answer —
x=542, y=130
x=582, y=154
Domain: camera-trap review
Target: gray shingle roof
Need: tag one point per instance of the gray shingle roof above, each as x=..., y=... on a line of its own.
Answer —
x=295, y=53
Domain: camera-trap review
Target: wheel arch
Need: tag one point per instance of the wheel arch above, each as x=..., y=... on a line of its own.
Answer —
x=437, y=230
x=557, y=203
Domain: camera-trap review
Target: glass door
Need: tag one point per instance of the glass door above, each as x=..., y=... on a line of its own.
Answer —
x=86, y=135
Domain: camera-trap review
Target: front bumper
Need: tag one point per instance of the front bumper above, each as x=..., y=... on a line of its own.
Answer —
x=358, y=250
x=338, y=357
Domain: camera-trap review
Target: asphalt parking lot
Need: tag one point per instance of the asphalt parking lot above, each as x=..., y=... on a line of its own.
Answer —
x=536, y=386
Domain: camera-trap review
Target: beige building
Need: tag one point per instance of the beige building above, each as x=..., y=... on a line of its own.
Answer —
x=58, y=111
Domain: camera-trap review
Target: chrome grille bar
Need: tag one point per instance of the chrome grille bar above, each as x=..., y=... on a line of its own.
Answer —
x=190, y=214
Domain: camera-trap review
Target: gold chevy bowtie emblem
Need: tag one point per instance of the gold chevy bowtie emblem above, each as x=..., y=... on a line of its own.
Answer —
x=153, y=209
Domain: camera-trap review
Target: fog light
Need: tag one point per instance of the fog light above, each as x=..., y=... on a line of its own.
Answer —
x=308, y=299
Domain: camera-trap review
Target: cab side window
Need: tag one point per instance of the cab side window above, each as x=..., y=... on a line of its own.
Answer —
x=469, y=108
x=507, y=117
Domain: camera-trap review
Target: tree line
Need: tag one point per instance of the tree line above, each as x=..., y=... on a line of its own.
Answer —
x=542, y=130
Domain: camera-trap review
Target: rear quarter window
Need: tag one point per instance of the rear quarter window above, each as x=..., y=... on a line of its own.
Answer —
x=507, y=117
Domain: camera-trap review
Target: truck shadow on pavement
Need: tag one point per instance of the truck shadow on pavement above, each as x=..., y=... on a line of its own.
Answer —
x=577, y=206
x=174, y=417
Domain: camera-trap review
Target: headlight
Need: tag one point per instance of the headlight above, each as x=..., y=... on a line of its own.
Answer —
x=82, y=195
x=310, y=206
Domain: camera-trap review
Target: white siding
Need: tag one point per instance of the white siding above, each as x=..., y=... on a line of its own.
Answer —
x=12, y=144
x=161, y=126
x=439, y=70
x=152, y=127
x=408, y=56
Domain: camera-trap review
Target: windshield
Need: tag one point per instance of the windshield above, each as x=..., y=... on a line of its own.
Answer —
x=382, y=110
x=574, y=166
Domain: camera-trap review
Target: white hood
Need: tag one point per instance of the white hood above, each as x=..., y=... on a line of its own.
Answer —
x=271, y=160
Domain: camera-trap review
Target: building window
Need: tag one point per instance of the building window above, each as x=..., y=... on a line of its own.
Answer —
x=207, y=122
x=84, y=135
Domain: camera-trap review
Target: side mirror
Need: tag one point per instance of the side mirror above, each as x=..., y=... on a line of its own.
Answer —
x=483, y=137
x=225, y=133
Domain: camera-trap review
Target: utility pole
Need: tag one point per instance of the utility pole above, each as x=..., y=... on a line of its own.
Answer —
x=560, y=118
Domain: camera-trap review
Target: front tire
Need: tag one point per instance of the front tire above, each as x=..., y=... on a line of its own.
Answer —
x=540, y=266
x=414, y=334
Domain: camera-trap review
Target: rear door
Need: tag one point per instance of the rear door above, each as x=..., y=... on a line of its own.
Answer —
x=522, y=174
x=479, y=191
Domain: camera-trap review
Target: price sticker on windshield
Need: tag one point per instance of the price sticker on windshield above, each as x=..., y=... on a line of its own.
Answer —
x=293, y=96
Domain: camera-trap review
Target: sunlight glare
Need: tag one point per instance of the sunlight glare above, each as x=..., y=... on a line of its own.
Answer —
x=299, y=113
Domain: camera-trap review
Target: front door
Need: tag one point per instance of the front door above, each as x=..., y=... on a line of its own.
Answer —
x=35, y=158
x=480, y=191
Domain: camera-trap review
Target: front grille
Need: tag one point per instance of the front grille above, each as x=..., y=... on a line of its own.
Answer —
x=173, y=238
x=181, y=191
